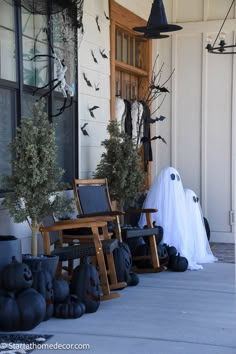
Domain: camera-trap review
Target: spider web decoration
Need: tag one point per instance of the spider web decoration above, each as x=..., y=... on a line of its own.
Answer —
x=69, y=23
x=44, y=6
x=72, y=13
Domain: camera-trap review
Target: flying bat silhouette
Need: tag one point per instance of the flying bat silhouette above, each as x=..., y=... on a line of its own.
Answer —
x=87, y=80
x=103, y=54
x=159, y=137
x=84, y=131
x=94, y=58
x=159, y=88
x=153, y=120
x=92, y=109
x=97, y=88
x=98, y=24
x=107, y=17
x=145, y=139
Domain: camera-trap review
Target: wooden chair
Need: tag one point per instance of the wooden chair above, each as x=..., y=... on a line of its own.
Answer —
x=92, y=199
x=52, y=235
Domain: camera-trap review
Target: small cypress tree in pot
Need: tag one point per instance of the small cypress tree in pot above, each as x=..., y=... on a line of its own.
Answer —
x=35, y=179
x=121, y=164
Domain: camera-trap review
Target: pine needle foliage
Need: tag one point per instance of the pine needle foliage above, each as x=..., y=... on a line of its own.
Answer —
x=35, y=176
x=121, y=164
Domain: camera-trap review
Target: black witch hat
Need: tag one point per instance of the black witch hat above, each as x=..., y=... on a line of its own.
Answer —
x=157, y=22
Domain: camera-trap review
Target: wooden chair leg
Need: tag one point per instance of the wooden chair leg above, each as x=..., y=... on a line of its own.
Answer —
x=112, y=274
x=102, y=268
x=154, y=253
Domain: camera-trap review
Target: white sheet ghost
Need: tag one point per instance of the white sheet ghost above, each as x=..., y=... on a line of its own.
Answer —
x=167, y=195
x=202, y=250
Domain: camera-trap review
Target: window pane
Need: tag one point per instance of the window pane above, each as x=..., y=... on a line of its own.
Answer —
x=7, y=42
x=7, y=110
x=118, y=46
x=64, y=46
x=65, y=140
x=35, y=42
x=131, y=51
x=125, y=49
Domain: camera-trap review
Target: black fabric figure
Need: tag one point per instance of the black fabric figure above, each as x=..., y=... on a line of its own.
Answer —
x=146, y=139
x=128, y=118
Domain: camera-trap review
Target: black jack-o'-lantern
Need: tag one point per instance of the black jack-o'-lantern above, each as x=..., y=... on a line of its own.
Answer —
x=85, y=285
x=21, y=312
x=16, y=276
x=43, y=283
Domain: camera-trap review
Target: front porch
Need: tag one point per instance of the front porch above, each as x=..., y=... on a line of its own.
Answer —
x=167, y=313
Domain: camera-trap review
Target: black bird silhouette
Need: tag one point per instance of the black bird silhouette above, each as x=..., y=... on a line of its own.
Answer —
x=103, y=54
x=98, y=24
x=92, y=109
x=94, y=58
x=87, y=80
x=107, y=17
x=84, y=131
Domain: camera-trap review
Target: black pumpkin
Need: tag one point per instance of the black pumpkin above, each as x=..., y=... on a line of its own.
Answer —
x=69, y=310
x=178, y=263
x=123, y=261
x=61, y=291
x=133, y=279
x=85, y=285
x=42, y=282
x=16, y=276
x=22, y=312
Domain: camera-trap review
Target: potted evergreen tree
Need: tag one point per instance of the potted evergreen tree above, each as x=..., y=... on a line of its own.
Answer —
x=35, y=179
x=121, y=164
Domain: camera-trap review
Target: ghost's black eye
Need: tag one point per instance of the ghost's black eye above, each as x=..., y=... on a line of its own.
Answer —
x=195, y=199
x=178, y=177
x=172, y=176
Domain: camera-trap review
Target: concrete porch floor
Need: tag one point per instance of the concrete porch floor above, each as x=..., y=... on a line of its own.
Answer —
x=167, y=313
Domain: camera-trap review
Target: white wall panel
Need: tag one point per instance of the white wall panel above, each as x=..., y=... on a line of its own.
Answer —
x=99, y=76
x=90, y=157
x=87, y=101
x=91, y=32
x=96, y=8
x=218, y=140
x=217, y=9
x=161, y=151
x=188, y=110
x=97, y=133
x=86, y=58
x=96, y=79
x=141, y=8
x=189, y=11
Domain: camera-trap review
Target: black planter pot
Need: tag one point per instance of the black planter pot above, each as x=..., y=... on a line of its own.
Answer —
x=48, y=263
x=10, y=246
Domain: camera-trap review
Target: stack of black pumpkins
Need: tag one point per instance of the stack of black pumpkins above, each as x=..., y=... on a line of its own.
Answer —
x=27, y=298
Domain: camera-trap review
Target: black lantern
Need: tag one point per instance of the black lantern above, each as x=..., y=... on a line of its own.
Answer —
x=222, y=47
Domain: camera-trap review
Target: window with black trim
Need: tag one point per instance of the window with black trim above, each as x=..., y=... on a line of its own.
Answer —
x=24, y=35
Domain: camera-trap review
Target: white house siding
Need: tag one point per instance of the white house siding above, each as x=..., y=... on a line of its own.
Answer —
x=90, y=149
x=200, y=129
x=99, y=75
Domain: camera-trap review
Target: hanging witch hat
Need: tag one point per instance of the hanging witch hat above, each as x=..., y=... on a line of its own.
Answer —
x=157, y=22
